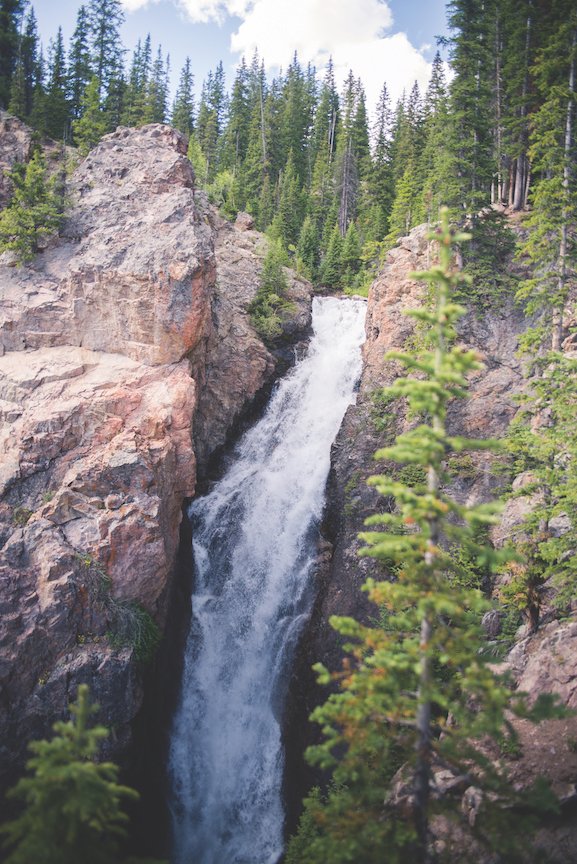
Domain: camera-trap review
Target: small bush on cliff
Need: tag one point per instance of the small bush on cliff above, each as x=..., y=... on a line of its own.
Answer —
x=408, y=731
x=35, y=210
x=132, y=626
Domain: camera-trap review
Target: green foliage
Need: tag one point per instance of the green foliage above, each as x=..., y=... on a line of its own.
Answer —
x=543, y=441
x=21, y=515
x=35, y=211
x=222, y=192
x=198, y=160
x=487, y=262
x=380, y=411
x=270, y=305
x=419, y=692
x=133, y=627
x=73, y=803
x=330, y=273
x=91, y=126
x=308, y=249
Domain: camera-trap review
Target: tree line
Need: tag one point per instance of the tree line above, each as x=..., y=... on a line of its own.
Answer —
x=302, y=156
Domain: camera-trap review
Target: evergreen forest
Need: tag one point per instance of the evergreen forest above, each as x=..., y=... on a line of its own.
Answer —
x=335, y=187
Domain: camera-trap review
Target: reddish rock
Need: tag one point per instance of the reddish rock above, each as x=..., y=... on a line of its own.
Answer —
x=120, y=343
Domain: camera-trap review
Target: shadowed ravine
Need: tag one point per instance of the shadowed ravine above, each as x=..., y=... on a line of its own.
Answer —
x=254, y=544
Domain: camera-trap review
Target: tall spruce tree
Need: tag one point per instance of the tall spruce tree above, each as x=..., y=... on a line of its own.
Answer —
x=105, y=19
x=57, y=105
x=79, y=63
x=10, y=15
x=417, y=696
x=26, y=73
x=551, y=244
x=182, y=117
x=156, y=105
x=472, y=103
x=91, y=125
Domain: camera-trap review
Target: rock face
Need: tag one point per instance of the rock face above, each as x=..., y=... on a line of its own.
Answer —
x=124, y=345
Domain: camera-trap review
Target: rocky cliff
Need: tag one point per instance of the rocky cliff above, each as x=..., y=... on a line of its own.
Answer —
x=539, y=663
x=120, y=375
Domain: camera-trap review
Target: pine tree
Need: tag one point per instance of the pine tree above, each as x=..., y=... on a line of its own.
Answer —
x=183, y=109
x=156, y=106
x=91, y=125
x=35, y=210
x=290, y=213
x=472, y=103
x=73, y=802
x=436, y=168
x=211, y=117
x=296, y=119
x=350, y=255
x=551, y=245
x=381, y=180
x=330, y=272
x=266, y=310
x=38, y=119
x=416, y=692
x=405, y=204
x=57, y=106
x=236, y=136
x=347, y=167
x=79, y=67
x=548, y=451
x=105, y=19
x=27, y=72
x=308, y=249
x=135, y=101
x=10, y=15
x=198, y=160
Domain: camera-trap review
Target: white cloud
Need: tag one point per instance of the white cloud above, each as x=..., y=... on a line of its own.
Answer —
x=199, y=11
x=133, y=5
x=352, y=31
x=204, y=11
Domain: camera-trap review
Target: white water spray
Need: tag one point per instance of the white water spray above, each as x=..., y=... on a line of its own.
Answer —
x=254, y=544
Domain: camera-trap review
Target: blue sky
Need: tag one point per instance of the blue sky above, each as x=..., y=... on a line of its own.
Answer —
x=391, y=41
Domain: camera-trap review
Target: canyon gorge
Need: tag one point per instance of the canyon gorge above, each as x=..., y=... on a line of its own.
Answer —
x=128, y=363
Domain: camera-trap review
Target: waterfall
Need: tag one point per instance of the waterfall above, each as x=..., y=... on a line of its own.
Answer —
x=254, y=544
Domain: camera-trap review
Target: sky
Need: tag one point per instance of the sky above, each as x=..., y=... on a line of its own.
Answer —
x=382, y=41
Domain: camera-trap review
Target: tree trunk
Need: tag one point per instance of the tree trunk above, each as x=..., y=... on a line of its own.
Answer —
x=519, y=200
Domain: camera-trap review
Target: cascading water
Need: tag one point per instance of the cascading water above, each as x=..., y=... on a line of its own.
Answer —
x=254, y=544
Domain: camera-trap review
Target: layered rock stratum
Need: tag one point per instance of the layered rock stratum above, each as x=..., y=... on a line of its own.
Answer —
x=126, y=357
